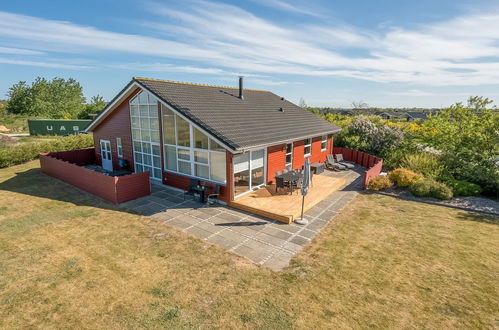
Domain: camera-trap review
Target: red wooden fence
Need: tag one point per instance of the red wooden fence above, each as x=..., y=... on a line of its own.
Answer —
x=66, y=166
x=372, y=163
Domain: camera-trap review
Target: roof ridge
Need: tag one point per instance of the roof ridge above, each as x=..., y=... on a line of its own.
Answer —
x=196, y=84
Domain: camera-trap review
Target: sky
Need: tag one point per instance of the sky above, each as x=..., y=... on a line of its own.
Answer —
x=399, y=53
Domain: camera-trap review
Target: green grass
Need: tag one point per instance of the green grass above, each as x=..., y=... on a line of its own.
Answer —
x=70, y=260
x=16, y=123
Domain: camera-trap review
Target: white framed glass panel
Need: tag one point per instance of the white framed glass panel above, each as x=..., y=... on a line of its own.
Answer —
x=119, y=147
x=155, y=136
x=145, y=134
x=215, y=146
x=241, y=173
x=183, y=132
x=308, y=147
x=184, y=154
x=184, y=167
x=143, y=99
x=257, y=168
x=289, y=155
x=168, y=126
x=201, y=157
x=144, y=111
x=134, y=110
x=171, y=158
x=202, y=171
x=241, y=162
x=324, y=143
x=137, y=146
x=218, y=167
x=200, y=140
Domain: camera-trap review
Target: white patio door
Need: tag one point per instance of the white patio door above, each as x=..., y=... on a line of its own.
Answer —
x=249, y=171
x=106, y=155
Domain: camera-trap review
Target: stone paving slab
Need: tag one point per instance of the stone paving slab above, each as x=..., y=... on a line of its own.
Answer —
x=266, y=242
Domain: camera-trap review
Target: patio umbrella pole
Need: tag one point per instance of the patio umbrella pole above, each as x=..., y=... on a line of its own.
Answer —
x=304, y=189
x=302, y=205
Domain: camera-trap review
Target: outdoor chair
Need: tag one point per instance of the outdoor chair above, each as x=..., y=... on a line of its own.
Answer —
x=192, y=190
x=279, y=183
x=213, y=195
x=298, y=183
x=331, y=164
x=340, y=160
x=278, y=173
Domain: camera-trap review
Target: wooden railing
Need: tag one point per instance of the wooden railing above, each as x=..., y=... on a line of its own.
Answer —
x=372, y=163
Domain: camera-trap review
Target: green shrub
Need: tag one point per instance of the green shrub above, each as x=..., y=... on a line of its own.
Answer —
x=404, y=177
x=380, y=183
x=463, y=188
x=21, y=153
x=430, y=188
x=429, y=165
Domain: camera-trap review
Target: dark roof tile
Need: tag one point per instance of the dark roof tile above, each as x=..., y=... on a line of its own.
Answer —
x=240, y=124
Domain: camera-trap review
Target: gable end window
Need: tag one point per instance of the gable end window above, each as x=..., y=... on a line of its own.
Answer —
x=307, y=150
x=189, y=151
x=324, y=143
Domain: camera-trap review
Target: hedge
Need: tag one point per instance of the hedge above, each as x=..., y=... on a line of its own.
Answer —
x=430, y=188
x=21, y=153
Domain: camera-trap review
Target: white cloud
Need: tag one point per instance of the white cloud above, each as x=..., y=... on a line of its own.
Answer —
x=216, y=38
x=289, y=7
x=18, y=51
x=44, y=64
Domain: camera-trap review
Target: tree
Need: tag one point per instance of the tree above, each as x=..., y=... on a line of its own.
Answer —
x=468, y=137
x=302, y=103
x=3, y=106
x=58, y=98
x=96, y=104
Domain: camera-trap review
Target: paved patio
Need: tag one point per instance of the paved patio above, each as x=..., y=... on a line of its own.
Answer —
x=266, y=242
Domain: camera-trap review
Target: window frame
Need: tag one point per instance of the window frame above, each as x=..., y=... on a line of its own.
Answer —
x=119, y=147
x=290, y=164
x=151, y=102
x=192, y=150
x=309, y=145
x=324, y=141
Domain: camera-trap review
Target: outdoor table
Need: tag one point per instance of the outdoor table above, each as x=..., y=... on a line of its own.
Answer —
x=317, y=168
x=291, y=177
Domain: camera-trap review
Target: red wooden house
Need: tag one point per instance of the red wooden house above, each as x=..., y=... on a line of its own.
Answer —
x=234, y=137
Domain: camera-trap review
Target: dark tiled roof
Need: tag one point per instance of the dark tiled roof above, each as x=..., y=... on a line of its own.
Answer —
x=240, y=124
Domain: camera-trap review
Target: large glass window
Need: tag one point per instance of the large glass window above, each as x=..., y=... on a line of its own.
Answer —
x=189, y=151
x=289, y=155
x=145, y=134
x=183, y=132
x=308, y=147
x=324, y=143
x=168, y=126
x=200, y=140
x=249, y=171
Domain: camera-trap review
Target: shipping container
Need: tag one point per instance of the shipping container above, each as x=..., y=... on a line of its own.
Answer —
x=57, y=126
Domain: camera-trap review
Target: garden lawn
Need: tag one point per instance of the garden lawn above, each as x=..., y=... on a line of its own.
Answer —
x=70, y=260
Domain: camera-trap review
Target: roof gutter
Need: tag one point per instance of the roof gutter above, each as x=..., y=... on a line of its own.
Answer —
x=259, y=146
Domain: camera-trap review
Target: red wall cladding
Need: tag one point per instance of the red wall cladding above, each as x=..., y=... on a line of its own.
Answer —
x=276, y=160
x=114, y=189
x=276, y=155
x=117, y=124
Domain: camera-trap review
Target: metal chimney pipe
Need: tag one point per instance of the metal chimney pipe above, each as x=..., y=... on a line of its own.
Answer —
x=241, y=87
